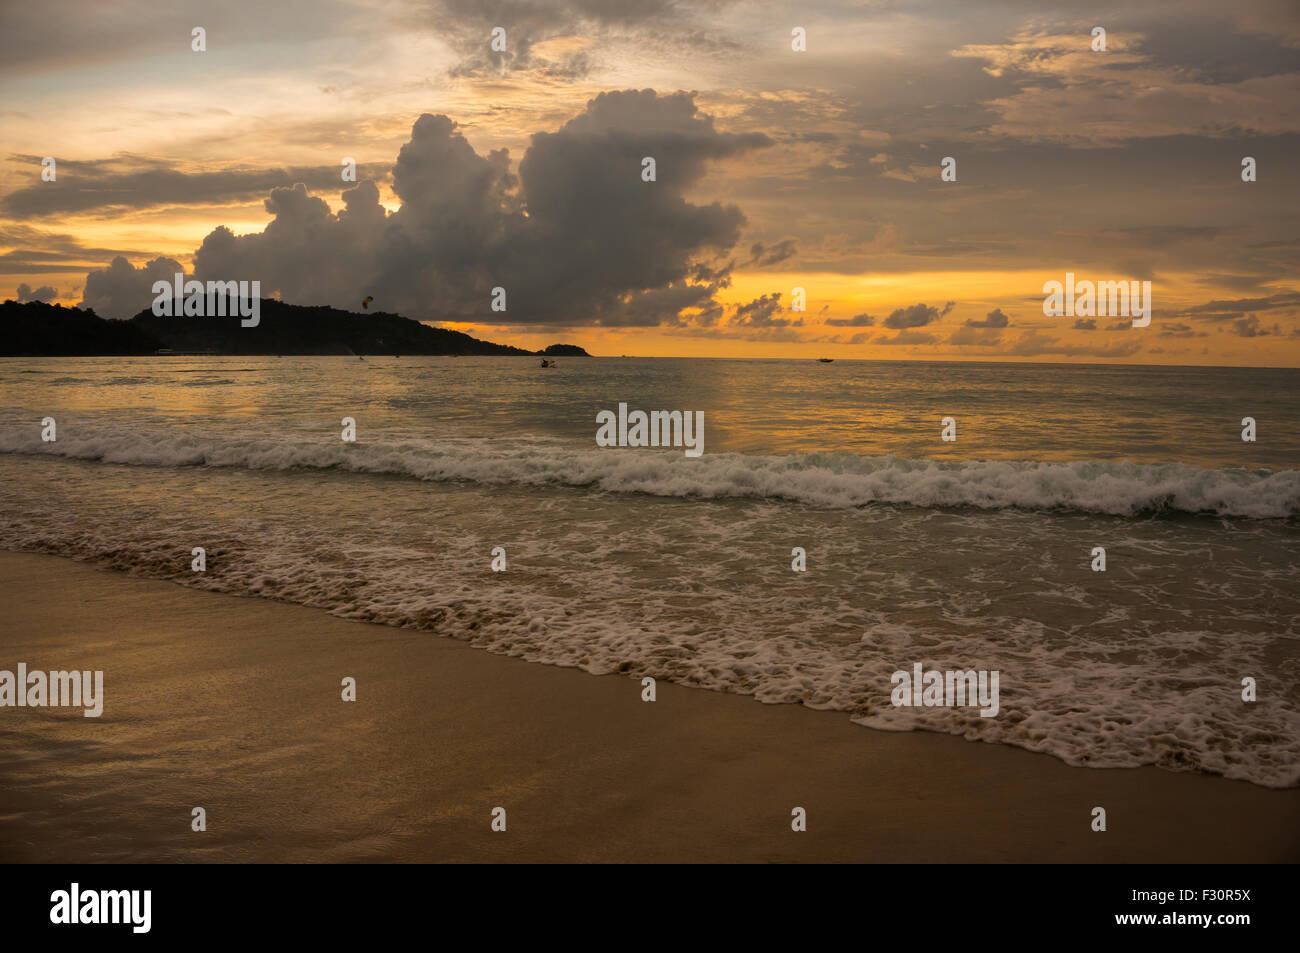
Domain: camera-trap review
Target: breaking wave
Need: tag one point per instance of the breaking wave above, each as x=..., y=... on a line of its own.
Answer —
x=822, y=479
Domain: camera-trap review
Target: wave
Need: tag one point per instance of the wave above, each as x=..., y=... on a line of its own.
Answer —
x=1128, y=704
x=1117, y=488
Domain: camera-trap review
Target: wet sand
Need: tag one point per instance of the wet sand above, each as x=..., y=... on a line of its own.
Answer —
x=233, y=704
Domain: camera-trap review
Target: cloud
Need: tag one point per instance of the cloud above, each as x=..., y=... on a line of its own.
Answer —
x=43, y=293
x=1177, y=330
x=761, y=255
x=34, y=251
x=1251, y=327
x=1233, y=308
x=994, y=319
x=887, y=239
x=1085, y=324
x=129, y=183
x=539, y=33
x=761, y=313
x=1165, y=234
x=918, y=315
x=908, y=336
x=857, y=321
x=80, y=35
x=575, y=237
x=121, y=290
x=977, y=335
x=1237, y=282
x=1033, y=343
x=880, y=93
x=1065, y=92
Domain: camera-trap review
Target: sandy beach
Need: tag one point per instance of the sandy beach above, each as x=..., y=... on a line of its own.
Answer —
x=233, y=704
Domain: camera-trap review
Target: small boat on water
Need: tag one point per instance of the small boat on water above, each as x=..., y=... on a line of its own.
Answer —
x=825, y=360
x=546, y=363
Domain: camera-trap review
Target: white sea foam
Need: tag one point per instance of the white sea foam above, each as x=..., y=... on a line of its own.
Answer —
x=823, y=479
x=1140, y=665
x=1096, y=674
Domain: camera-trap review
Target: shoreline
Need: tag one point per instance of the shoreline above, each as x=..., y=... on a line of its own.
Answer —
x=233, y=703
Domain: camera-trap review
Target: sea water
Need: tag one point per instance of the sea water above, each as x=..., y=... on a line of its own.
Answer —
x=972, y=554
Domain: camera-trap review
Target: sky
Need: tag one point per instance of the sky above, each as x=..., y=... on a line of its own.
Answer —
x=776, y=168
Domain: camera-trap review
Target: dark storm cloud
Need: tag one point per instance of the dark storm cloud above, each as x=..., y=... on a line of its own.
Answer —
x=113, y=184
x=575, y=238
x=660, y=306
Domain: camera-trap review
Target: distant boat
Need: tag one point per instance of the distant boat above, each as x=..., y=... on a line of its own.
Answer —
x=825, y=360
x=546, y=363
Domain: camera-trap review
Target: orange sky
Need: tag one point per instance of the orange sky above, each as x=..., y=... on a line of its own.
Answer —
x=1118, y=164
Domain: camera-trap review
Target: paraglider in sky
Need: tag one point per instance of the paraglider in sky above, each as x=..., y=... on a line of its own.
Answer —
x=366, y=304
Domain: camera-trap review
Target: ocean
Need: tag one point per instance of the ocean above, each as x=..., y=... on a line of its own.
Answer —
x=970, y=554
